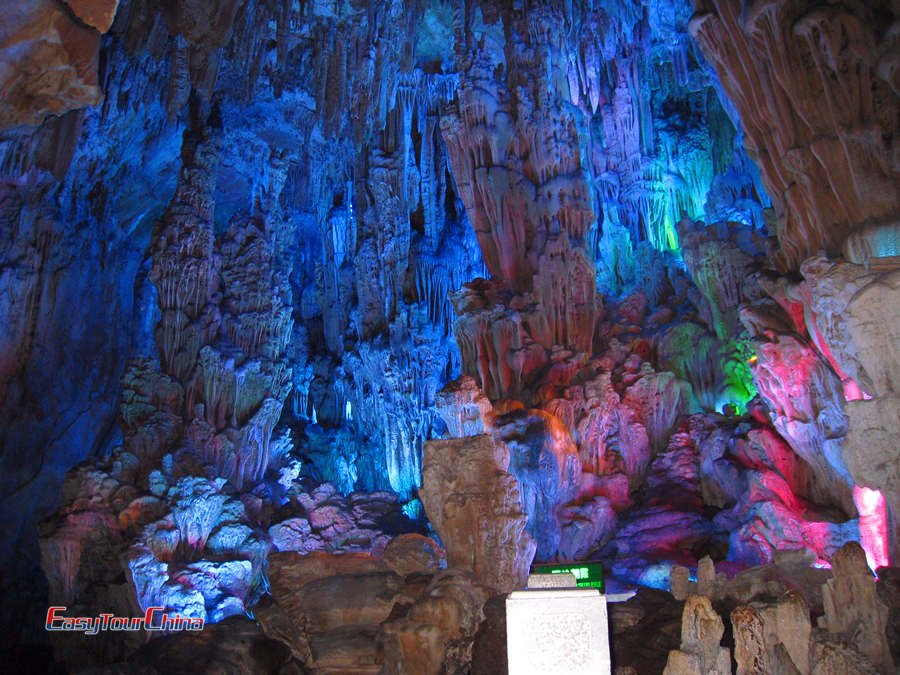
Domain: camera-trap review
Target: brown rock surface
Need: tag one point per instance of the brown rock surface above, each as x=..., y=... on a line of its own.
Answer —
x=772, y=637
x=328, y=608
x=437, y=634
x=701, y=632
x=48, y=62
x=833, y=655
x=474, y=506
x=290, y=572
x=96, y=13
x=818, y=115
x=235, y=646
x=749, y=642
x=853, y=608
x=489, y=648
x=348, y=599
x=410, y=553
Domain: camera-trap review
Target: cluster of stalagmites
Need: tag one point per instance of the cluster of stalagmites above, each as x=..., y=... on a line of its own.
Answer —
x=621, y=453
x=579, y=428
x=196, y=426
x=347, y=590
x=770, y=619
x=609, y=410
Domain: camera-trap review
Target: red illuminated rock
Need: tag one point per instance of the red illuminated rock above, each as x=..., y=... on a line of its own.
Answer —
x=806, y=400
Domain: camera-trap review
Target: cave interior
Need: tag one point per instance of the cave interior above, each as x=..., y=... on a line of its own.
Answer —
x=323, y=321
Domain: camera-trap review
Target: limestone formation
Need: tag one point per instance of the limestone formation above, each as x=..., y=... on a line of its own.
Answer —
x=464, y=407
x=701, y=632
x=806, y=400
x=810, y=83
x=853, y=608
x=475, y=507
x=437, y=633
x=544, y=461
x=773, y=638
x=749, y=642
x=96, y=13
x=49, y=61
x=284, y=285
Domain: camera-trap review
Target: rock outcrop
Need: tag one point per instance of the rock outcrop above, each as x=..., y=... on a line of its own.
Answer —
x=816, y=90
x=283, y=285
x=779, y=636
x=853, y=608
x=50, y=59
x=475, y=508
x=701, y=632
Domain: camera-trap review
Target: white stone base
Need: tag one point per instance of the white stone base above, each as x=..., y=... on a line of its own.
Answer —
x=558, y=632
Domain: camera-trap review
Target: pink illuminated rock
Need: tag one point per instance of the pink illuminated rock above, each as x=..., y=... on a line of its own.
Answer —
x=806, y=402
x=873, y=526
x=658, y=399
x=336, y=524
x=769, y=525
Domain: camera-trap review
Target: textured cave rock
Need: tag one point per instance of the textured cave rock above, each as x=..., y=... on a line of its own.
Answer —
x=284, y=284
x=545, y=463
x=814, y=78
x=853, y=608
x=806, y=401
x=438, y=632
x=701, y=632
x=49, y=59
x=236, y=645
x=781, y=631
x=475, y=507
x=355, y=612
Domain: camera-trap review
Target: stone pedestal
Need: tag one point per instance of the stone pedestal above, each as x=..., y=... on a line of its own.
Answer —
x=557, y=632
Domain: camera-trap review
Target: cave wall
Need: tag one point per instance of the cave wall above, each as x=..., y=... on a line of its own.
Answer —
x=816, y=87
x=300, y=245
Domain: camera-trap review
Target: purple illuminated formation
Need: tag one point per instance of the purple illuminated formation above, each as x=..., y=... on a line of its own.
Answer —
x=323, y=322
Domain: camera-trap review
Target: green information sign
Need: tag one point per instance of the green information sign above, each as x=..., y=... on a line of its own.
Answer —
x=589, y=574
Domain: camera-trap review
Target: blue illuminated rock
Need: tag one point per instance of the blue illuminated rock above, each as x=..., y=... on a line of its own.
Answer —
x=271, y=273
